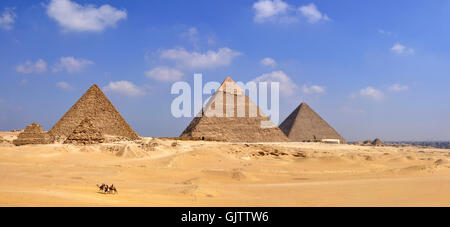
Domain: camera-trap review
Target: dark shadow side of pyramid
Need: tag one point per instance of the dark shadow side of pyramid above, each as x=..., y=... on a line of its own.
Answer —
x=235, y=128
x=305, y=125
x=97, y=107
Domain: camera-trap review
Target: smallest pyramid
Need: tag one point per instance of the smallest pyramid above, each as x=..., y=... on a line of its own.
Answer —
x=377, y=142
x=33, y=134
x=85, y=133
x=305, y=125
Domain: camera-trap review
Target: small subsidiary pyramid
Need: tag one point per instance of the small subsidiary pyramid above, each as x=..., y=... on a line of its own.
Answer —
x=97, y=107
x=85, y=133
x=33, y=134
x=238, y=121
x=305, y=125
x=377, y=142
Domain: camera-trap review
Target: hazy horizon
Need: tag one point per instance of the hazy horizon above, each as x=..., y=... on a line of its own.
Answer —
x=371, y=69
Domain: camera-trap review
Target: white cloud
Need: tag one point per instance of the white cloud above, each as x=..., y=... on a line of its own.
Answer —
x=196, y=60
x=268, y=62
x=64, y=85
x=165, y=74
x=75, y=17
x=71, y=64
x=398, y=87
x=281, y=12
x=372, y=93
x=287, y=86
x=7, y=19
x=191, y=35
x=266, y=10
x=125, y=88
x=400, y=49
x=29, y=67
x=312, y=14
x=314, y=89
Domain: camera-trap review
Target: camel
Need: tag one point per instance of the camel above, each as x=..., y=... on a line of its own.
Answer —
x=102, y=187
x=113, y=189
x=107, y=189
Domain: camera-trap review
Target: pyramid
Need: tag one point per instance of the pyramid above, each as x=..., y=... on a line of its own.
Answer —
x=33, y=134
x=377, y=142
x=85, y=133
x=104, y=116
x=305, y=125
x=236, y=124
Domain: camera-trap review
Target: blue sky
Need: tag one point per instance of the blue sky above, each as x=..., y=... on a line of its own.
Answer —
x=370, y=68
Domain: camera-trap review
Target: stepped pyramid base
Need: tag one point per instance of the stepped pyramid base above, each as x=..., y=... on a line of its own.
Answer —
x=33, y=134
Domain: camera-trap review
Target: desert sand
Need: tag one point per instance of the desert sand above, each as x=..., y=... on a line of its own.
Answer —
x=166, y=172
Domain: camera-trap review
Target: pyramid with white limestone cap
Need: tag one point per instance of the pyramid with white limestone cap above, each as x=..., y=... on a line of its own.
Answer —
x=231, y=116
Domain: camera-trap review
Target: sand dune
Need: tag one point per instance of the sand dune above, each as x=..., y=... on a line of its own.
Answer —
x=164, y=172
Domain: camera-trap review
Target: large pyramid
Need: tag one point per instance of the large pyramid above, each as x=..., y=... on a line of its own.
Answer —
x=33, y=134
x=95, y=106
x=236, y=123
x=305, y=125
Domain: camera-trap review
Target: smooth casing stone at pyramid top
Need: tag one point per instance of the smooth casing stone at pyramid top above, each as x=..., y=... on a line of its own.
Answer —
x=239, y=127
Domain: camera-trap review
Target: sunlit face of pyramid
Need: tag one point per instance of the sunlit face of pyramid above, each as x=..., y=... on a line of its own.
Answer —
x=96, y=106
x=229, y=115
x=230, y=100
